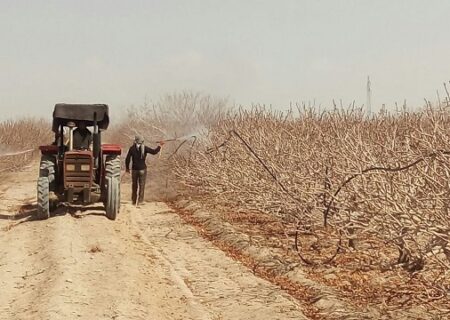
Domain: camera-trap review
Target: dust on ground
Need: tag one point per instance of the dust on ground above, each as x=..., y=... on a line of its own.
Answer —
x=148, y=264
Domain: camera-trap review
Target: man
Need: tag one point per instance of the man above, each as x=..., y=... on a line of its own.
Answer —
x=82, y=137
x=137, y=153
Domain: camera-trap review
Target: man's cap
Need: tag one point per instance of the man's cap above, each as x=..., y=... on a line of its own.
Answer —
x=139, y=139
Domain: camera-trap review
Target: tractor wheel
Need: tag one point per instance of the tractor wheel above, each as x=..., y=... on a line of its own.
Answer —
x=112, y=168
x=47, y=169
x=43, y=204
x=45, y=184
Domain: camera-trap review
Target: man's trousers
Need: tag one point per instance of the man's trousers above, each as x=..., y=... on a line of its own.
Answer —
x=138, y=180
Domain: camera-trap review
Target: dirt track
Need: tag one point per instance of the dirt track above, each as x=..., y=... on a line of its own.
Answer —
x=146, y=265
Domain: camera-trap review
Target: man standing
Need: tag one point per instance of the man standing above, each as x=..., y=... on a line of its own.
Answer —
x=137, y=153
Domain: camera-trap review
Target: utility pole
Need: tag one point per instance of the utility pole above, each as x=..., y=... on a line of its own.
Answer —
x=369, y=98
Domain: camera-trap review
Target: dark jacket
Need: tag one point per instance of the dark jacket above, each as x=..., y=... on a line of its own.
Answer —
x=138, y=161
x=82, y=139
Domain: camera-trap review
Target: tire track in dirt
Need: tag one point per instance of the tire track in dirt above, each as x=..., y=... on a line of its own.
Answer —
x=79, y=264
x=224, y=286
x=148, y=264
x=24, y=262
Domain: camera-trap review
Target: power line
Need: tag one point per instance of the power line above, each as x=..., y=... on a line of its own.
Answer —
x=369, y=98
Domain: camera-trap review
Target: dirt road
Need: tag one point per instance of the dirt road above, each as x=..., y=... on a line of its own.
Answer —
x=146, y=265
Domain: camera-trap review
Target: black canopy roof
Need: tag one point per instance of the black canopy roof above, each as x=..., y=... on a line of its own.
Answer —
x=65, y=112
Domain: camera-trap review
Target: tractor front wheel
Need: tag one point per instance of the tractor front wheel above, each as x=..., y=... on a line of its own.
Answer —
x=112, y=203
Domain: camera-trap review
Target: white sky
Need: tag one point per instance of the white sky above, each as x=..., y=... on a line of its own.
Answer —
x=272, y=52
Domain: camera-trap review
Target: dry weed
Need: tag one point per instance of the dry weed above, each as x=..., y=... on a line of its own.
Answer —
x=20, y=135
x=373, y=192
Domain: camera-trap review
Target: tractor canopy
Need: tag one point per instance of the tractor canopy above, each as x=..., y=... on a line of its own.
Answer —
x=63, y=113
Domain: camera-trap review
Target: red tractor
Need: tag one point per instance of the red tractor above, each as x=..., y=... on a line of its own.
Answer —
x=79, y=175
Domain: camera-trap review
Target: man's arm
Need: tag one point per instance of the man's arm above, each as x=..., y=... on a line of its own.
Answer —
x=127, y=160
x=152, y=151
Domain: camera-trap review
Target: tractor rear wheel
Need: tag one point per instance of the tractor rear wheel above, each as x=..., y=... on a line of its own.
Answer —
x=45, y=184
x=112, y=175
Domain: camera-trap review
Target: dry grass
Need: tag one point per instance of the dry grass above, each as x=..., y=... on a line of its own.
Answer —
x=20, y=135
x=392, y=218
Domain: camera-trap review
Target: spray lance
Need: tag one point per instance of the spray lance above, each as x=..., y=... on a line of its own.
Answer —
x=188, y=136
x=183, y=138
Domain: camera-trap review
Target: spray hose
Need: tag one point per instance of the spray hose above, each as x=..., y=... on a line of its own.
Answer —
x=184, y=139
x=8, y=154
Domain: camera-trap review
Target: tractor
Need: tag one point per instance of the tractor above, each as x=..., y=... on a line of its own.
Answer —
x=79, y=175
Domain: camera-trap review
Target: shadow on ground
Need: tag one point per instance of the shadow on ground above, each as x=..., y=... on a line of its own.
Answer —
x=28, y=212
x=80, y=211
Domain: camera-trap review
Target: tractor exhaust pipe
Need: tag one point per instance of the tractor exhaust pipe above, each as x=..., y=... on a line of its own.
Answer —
x=71, y=127
x=61, y=142
x=96, y=141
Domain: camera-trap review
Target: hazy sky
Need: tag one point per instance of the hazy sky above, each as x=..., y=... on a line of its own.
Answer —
x=272, y=52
